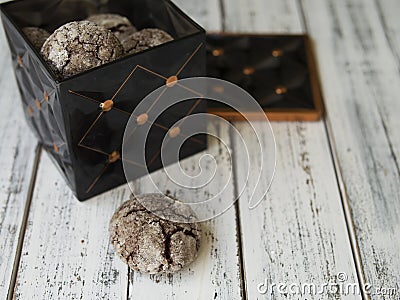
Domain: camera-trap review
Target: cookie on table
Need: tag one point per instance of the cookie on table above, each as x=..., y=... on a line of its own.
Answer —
x=145, y=39
x=79, y=46
x=117, y=24
x=37, y=36
x=150, y=244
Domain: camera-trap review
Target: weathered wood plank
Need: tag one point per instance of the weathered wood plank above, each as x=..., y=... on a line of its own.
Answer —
x=361, y=83
x=216, y=272
x=207, y=13
x=277, y=16
x=388, y=13
x=17, y=156
x=389, y=19
x=66, y=252
x=298, y=234
x=88, y=267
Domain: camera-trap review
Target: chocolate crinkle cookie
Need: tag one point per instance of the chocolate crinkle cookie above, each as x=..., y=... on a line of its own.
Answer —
x=150, y=244
x=37, y=36
x=145, y=39
x=78, y=46
x=117, y=24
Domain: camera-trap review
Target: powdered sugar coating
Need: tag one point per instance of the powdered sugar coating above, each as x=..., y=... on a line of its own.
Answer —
x=36, y=35
x=78, y=46
x=117, y=24
x=145, y=39
x=152, y=245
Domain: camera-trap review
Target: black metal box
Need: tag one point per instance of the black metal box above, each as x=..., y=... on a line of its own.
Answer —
x=83, y=136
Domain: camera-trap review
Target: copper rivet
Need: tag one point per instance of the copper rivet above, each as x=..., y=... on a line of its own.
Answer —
x=19, y=60
x=113, y=157
x=171, y=81
x=30, y=111
x=280, y=90
x=46, y=96
x=218, y=89
x=38, y=104
x=107, y=105
x=142, y=119
x=55, y=147
x=277, y=52
x=218, y=52
x=174, y=132
x=248, y=70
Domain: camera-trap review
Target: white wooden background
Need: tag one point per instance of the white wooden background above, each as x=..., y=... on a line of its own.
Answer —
x=334, y=205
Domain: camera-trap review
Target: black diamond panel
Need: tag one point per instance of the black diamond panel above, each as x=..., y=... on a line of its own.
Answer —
x=84, y=140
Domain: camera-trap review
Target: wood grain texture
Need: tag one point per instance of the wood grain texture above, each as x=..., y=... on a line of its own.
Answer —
x=298, y=234
x=360, y=77
x=66, y=252
x=277, y=16
x=388, y=14
x=207, y=13
x=17, y=155
x=216, y=272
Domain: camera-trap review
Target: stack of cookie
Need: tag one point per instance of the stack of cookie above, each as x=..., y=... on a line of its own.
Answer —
x=81, y=45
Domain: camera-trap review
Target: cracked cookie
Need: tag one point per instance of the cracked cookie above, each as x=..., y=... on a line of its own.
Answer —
x=78, y=46
x=37, y=36
x=150, y=244
x=144, y=39
x=117, y=24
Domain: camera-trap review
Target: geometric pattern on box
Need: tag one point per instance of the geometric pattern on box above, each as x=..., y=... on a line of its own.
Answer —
x=277, y=70
x=80, y=121
x=111, y=104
